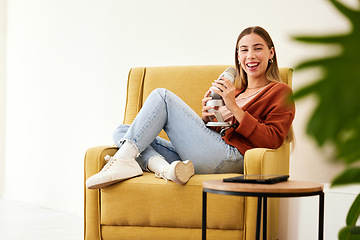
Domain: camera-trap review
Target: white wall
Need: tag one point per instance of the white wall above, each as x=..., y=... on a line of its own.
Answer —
x=2, y=91
x=299, y=217
x=67, y=65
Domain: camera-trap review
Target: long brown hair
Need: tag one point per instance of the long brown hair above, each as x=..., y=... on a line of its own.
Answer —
x=272, y=71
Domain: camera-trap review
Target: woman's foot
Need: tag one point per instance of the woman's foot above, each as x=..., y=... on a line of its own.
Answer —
x=115, y=170
x=178, y=172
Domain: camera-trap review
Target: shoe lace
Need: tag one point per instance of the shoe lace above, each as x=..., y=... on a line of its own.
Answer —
x=162, y=174
x=109, y=161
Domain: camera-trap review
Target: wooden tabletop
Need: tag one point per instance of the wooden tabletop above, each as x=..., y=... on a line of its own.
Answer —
x=289, y=186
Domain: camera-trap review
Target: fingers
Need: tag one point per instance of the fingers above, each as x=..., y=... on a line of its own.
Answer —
x=204, y=100
x=225, y=82
x=207, y=108
x=205, y=115
x=219, y=87
x=207, y=93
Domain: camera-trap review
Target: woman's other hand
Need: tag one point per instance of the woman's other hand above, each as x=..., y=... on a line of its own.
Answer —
x=205, y=115
x=227, y=92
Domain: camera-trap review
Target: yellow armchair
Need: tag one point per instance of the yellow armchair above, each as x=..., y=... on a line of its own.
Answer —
x=149, y=208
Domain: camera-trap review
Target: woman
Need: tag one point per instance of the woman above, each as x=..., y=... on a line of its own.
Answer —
x=256, y=104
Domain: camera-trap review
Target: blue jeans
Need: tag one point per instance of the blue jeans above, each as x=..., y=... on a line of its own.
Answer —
x=190, y=139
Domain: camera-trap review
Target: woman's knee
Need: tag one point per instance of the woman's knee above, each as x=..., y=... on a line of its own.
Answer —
x=230, y=166
x=162, y=92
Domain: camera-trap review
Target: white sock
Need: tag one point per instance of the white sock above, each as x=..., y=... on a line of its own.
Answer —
x=157, y=163
x=127, y=151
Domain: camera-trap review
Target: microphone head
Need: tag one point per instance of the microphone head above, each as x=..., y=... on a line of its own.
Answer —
x=230, y=73
x=214, y=95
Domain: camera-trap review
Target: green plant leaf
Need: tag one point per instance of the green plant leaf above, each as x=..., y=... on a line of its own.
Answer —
x=307, y=90
x=336, y=118
x=349, y=233
x=348, y=176
x=328, y=62
x=348, y=146
x=344, y=233
x=349, y=13
x=322, y=40
x=354, y=212
x=355, y=230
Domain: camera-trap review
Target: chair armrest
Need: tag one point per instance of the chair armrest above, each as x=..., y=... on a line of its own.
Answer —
x=94, y=158
x=94, y=161
x=264, y=161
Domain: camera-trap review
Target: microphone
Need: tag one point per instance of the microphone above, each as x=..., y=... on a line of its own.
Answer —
x=230, y=73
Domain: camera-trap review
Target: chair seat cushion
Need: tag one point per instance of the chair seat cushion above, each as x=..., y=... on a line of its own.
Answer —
x=151, y=202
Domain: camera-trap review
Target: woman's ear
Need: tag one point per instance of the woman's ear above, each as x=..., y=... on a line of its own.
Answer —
x=272, y=53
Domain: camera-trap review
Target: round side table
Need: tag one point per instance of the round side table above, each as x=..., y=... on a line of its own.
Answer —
x=285, y=189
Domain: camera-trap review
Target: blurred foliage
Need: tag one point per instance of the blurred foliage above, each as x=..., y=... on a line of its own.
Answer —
x=336, y=118
x=351, y=231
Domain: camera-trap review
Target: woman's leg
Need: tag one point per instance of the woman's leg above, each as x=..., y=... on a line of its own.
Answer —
x=161, y=158
x=187, y=133
x=158, y=148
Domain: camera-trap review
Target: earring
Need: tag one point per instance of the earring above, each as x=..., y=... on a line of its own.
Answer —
x=271, y=60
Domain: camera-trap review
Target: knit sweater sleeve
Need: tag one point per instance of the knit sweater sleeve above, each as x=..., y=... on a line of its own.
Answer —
x=266, y=122
x=269, y=134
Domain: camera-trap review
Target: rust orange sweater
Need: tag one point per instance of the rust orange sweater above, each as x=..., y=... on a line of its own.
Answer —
x=268, y=117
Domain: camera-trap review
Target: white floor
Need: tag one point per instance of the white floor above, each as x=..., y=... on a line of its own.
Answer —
x=20, y=221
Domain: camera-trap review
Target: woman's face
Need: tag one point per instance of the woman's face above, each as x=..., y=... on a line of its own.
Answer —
x=254, y=55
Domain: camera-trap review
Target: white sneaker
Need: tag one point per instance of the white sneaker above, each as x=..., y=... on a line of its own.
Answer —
x=115, y=170
x=178, y=172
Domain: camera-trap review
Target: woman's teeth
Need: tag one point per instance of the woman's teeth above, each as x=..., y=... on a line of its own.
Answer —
x=252, y=64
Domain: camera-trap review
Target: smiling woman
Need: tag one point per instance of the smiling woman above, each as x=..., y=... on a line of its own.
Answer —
x=258, y=111
x=255, y=44
x=254, y=57
x=256, y=63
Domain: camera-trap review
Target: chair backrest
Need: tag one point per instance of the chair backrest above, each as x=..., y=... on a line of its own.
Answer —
x=189, y=82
